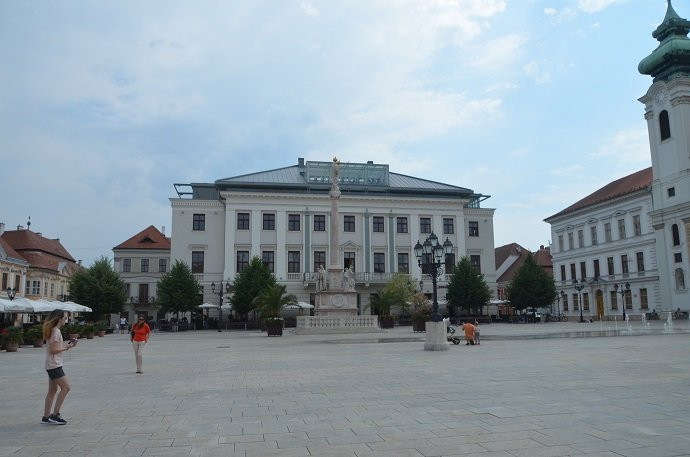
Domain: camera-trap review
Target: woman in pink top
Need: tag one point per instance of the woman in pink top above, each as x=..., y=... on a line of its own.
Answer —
x=139, y=336
x=55, y=346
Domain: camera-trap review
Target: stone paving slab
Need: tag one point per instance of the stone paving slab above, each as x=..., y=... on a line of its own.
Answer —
x=528, y=390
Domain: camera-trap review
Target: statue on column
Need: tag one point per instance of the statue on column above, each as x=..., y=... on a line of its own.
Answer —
x=349, y=279
x=321, y=279
x=335, y=177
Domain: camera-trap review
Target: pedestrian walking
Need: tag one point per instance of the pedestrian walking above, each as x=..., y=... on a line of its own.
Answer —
x=57, y=381
x=139, y=336
x=477, y=332
x=468, y=328
x=123, y=325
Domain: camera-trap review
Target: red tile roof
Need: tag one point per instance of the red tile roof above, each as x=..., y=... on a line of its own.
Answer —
x=9, y=250
x=542, y=257
x=628, y=184
x=149, y=238
x=26, y=240
x=39, y=251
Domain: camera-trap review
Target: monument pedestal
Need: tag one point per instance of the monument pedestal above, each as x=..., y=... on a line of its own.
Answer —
x=436, y=338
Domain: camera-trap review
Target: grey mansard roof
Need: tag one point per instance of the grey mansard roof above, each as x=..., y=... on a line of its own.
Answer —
x=294, y=179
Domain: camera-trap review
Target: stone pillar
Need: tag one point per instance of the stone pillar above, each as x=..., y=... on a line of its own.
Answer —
x=436, y=339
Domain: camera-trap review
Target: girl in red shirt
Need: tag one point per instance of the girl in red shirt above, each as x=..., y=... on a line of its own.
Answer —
x=139, y=336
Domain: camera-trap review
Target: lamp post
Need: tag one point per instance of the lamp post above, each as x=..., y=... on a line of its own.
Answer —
x=431, y=258
x=11, y=293
x=623, y=289
x=579, y=285
x=220, y=299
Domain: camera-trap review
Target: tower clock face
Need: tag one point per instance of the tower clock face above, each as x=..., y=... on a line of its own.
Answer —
x=661, y=97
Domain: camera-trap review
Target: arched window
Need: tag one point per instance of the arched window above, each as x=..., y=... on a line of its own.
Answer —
x=676, y=235
x=664, y=125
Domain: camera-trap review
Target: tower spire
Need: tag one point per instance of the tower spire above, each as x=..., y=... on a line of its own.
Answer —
x=671, y=58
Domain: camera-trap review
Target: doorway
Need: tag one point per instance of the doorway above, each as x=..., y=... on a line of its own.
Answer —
x=600, y=304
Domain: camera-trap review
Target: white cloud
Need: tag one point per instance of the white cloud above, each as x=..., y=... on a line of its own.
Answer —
x=593, y=6
x=500, y=52
x=309, y=9
x=626, y=146
x=533, y=71
x=569, y=170
x=557, y=16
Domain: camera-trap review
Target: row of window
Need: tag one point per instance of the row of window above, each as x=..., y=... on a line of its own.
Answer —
x=610, y=267
x=378, y=223
x=594, y=237
x=294, y=261
x=626, y=297
x=6, y=281
x=34, y=288
x=144, y=265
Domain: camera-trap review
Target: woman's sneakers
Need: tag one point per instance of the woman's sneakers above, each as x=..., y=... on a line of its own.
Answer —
x=53, y=419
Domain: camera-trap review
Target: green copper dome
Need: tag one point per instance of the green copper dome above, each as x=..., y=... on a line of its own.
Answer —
x=671, y=58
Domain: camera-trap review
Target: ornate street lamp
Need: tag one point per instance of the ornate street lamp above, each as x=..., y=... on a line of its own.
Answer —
x=431, y=258
x=624, y=288
x=220, y=300
x=11, y=293
x=579, y=285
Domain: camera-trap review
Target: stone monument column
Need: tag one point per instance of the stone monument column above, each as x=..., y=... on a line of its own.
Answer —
x=337, y=298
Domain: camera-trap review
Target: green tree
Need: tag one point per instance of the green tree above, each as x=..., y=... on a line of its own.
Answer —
x=272, y=300
x=178, y=290
x=100, y=288
x=531, y=287
x=467, y=288
x=249, y=283
x=402, y=289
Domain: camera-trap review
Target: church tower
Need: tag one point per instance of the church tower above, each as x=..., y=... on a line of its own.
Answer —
x=667, y=111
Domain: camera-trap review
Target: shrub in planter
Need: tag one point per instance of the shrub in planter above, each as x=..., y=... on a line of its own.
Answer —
x=70, y=331
x=271, y=301
x=89, y=331
x=13, y=337
x=421, y=312
x=274, y=326
x=100, y=328
x=34, y=335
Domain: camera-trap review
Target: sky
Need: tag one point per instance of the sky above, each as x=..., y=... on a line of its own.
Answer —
x=105, y=105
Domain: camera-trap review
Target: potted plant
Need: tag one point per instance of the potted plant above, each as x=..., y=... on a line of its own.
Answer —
x=382, y=302
x=13, y=337
x=421, y=312
x=89, y=331
x=271, y=301
x=71, y=331
x=34, y=334
x=100, y=328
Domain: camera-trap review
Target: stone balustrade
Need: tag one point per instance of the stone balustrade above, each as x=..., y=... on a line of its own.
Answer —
x=336, y=324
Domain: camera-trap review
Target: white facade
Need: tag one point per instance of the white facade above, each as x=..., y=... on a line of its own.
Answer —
x=378, y=231
x=660, y=201
x=608, y=244
x=141, y=262
x=671, y=185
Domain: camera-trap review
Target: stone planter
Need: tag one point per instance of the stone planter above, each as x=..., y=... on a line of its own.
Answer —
x=73, y=336
x=419, y=325
x=89, y=336
x=38, y=343
x=386, y=321
x=101, y=333
x=11, y=347
x=274, y=327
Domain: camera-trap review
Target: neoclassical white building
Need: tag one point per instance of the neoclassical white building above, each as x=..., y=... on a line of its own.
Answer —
x=283, y=217
x=625, y=246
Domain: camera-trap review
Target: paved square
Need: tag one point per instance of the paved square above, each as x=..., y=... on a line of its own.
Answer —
x=244, y=394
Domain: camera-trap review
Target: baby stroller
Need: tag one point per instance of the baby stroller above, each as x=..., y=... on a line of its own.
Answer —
x=451, y=337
